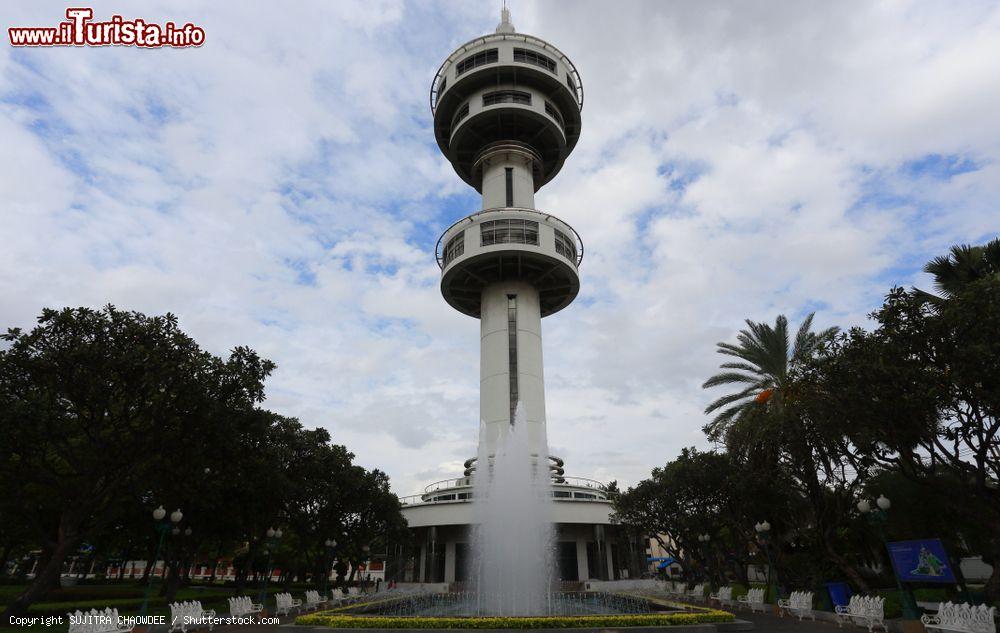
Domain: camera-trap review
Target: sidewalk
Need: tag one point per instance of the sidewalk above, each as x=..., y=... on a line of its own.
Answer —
x=767, y=623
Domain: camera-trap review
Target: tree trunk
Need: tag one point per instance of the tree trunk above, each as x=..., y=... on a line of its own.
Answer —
x=126, y=556
x=173, y=582
x=849, y=570
x=739, y=566
x=242, y=572
x=215, y=563
x=47, y=553
x=5, y=556
x=150, y=562
x=47, y=576
x=992, y=588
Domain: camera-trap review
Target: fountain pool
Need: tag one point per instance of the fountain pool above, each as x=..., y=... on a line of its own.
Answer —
x=469, y=604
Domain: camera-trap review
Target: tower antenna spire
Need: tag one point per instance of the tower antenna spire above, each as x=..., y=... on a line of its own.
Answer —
x=505, y=25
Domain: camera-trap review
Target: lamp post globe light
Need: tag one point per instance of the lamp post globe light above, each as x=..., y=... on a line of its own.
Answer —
x=878, y=516
x=763, y=530
x=329, y=544
x=704, y=540
x=162, y=527
x=273, y=536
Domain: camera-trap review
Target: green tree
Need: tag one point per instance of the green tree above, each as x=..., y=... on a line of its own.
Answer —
x=964, y=265
x=94, y=405
x=765, y=367
x=921, y=395
x=704, y=492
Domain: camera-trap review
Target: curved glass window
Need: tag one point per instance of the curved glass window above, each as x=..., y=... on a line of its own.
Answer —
x=565, y=246
x=481, y=58
x=454, y=248
x=506, y=96
x=509, y=231
x=553, y=112
x=525, y=56
x=461, y=114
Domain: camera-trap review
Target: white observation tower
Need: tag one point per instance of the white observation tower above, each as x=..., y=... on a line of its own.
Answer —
x=506, y=112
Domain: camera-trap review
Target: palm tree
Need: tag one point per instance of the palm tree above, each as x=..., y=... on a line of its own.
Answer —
x=765, y=366
x=964, y=265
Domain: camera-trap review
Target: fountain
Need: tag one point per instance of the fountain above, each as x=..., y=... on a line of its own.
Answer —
x=510, y=570
x=512, y=538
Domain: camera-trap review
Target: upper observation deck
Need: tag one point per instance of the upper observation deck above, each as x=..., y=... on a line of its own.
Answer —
x=507, y=86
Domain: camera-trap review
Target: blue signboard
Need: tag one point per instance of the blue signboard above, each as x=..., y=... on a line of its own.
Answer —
x=921, y=561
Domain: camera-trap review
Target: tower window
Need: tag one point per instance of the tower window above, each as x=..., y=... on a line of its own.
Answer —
x=569, y=82
x=525, y=56
x=506, y=96
x=565, y=246
x=512, y=352
x=454, y=248
x=511, y=231
x=461, y=114
x=553, y=112
x=481, y=58
x=509, y=174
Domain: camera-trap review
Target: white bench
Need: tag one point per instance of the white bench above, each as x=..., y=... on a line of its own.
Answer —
x=314, y=600
x=698, y=593
x=95, y=621
x=353, y=594
x=188, y=615
x=964, y=618
x=864, y=611
x=754, y=599
x=285, y=603
x=800, y=603
x=243, y=606
x=724, y=596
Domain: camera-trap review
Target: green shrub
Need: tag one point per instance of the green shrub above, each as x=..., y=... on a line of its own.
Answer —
x=532, y=622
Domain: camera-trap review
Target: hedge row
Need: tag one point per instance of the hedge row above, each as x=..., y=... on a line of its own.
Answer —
x=531, y=622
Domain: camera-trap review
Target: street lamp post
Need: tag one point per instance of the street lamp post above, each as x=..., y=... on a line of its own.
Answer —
x=704, y=539
x=329, y=544
x=162, y=526
x=764, y=533
x=365, y=549
x=273, y=536
x=879, y=516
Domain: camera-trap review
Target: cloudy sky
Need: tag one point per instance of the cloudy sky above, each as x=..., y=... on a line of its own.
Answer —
x=279, y=187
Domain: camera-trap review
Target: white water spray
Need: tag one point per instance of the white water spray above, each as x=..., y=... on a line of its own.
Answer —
x=512, y=541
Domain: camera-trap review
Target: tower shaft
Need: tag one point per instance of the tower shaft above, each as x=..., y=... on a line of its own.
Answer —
x=511, y=363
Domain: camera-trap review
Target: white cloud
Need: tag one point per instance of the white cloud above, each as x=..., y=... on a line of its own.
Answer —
x=280, y=188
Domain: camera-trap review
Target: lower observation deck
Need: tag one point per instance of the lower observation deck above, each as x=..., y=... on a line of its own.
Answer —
x=509, y=244
x=461, y=490
x=449, y=502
